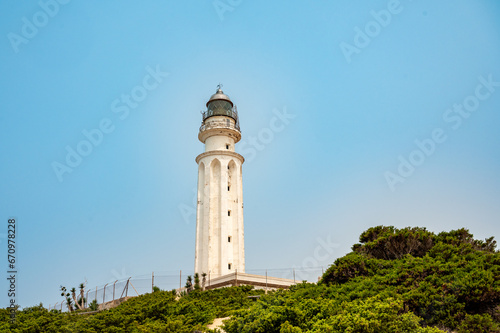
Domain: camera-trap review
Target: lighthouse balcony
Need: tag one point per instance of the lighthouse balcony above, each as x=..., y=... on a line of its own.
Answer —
x=220, y=124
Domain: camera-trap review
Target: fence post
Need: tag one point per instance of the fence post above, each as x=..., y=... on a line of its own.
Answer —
x=104, y=294
x=125, y=289
x=114, y=290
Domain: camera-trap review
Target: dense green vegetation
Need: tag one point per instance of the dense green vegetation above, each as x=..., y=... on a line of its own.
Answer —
x=394, y=280
x=406, y=280
x=156, y=312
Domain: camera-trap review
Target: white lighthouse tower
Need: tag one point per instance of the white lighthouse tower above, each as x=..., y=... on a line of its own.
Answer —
x=220, y=246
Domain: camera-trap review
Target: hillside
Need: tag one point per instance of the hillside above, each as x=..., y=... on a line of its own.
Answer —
x=395, y=280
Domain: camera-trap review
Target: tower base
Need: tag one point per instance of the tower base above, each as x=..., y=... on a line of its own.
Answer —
x=244, y=279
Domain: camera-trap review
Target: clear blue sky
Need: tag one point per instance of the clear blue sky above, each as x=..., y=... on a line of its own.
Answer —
x=359, y=102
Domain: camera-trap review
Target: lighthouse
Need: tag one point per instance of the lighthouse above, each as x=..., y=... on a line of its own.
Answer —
x=219, y=248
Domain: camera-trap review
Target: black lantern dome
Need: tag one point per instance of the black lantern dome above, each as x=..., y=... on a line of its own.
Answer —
x=220, y=104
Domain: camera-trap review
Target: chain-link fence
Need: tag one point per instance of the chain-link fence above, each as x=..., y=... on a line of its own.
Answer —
x=139, y=285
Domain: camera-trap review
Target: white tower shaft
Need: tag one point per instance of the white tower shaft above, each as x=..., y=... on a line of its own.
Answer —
x=219, y=220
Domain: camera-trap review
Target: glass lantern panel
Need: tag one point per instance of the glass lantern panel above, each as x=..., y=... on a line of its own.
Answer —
x=220, y=108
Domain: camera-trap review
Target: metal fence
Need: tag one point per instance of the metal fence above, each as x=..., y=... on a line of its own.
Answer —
x=143, y=284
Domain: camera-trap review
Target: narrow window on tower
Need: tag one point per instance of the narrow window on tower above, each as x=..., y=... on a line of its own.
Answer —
x=227, y=146
x=228, y=266
x=229, y=188
x=228, y=213
x=229, y=239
